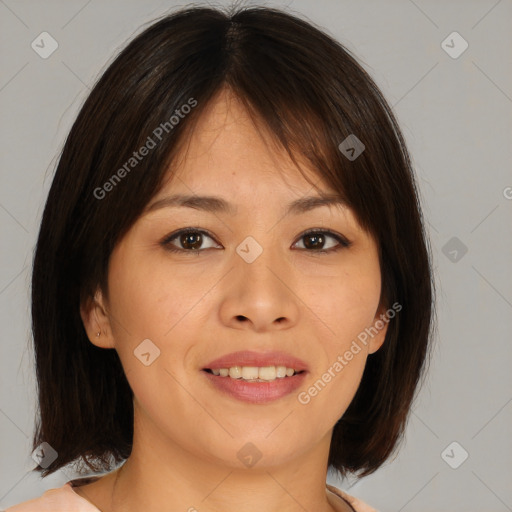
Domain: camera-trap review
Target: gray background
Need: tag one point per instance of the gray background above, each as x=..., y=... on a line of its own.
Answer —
x=456, y=117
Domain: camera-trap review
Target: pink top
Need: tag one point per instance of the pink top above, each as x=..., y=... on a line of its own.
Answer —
x=64, y=499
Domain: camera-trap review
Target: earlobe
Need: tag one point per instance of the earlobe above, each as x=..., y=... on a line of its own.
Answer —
x=379, y=330
x=96, y=321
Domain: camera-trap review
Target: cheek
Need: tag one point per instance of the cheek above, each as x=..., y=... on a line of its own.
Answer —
x=345, y=305
x=149, y=309
x=149, y=296
x=157, y=302
x=330, y=392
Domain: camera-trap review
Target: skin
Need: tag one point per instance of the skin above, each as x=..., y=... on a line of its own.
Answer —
x=197, y=307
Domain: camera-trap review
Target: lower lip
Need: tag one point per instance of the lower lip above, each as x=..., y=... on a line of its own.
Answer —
x=256, y=392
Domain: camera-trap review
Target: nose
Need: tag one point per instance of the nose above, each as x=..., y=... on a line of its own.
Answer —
x=261, y=295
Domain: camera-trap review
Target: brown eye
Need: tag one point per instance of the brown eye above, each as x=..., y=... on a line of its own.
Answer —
x=315, y=240
x=188, y=240
x=191, y=240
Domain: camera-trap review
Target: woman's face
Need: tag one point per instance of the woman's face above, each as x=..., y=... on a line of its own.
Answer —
x=245, y=279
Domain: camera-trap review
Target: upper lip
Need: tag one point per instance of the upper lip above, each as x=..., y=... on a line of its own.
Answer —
x=250, y=358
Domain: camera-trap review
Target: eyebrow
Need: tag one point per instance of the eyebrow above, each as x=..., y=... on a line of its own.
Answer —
x=216, y=204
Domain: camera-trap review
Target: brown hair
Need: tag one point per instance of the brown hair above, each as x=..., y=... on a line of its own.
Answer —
x=311, y=94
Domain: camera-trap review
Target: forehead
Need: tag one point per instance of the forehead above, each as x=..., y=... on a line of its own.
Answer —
x=229, y=163
x=228, y=149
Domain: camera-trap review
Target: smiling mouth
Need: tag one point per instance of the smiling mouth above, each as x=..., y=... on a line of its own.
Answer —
x=255, y=373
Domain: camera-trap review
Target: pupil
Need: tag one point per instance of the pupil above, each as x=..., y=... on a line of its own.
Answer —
x=317, y=240
x=187, y=240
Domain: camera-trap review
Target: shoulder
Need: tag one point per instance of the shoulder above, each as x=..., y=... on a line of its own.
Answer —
x=61, y=499
x=355, y=503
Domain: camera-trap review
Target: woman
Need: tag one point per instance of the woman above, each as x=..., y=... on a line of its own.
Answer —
x=232, y=289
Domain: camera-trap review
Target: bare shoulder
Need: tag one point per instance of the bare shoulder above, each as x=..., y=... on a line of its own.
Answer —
x=97, y=490
x=345, y=502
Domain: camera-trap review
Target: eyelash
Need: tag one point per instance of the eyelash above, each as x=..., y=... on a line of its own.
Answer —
x=166, y=242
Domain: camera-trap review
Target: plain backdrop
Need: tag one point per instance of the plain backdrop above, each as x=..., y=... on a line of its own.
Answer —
x=455, y=110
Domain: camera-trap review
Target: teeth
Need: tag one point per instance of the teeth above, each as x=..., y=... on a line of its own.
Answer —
x=255, y=373
x=235, y=372
x=281, y=372
x=267, y=373
x=248, y=372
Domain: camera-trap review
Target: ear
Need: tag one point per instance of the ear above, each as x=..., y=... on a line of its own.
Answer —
x=379, y=329
x=96, y=320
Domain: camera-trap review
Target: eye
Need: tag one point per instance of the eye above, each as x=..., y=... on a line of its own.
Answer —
x=189, y=240
x=316, y=239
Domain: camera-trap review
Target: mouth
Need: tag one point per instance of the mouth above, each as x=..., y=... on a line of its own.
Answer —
x=255, y=377
x=254, y=373
x=255, y=385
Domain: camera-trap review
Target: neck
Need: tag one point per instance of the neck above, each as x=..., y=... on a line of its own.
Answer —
x=160, y=475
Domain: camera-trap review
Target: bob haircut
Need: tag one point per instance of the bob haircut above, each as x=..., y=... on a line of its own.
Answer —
x=311, y=94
